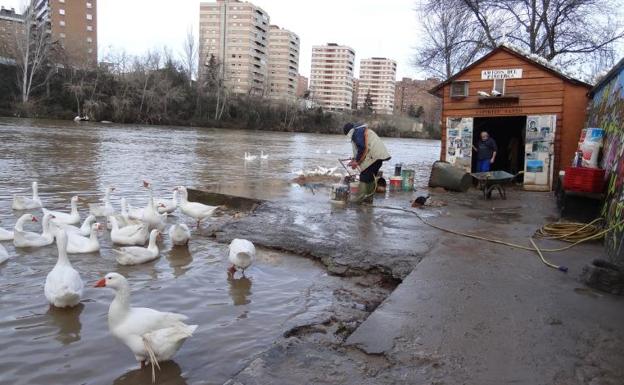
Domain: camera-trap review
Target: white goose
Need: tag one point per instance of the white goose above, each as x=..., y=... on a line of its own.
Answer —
x=133, y=212
x=4, y=254
x=5, y=235
x=196, y=210
x=249, y=157
x=151, y=335
x=84, y=229
x=29, y=239
x=179, y=234
x=103, y=210
x=66, y=219
x=151, y=216
x=77, y=244
x=135, y=255
x=241, y=256
x=263, y=156
x=24, y=203
x=168, y=206
x=123, y=219
x=63, y=285
x=128, y=235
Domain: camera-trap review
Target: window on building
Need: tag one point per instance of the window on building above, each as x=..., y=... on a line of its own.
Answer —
x=61, y=1
x=499, y=86
x=61, y=11
x=89, y=40
x=89, y=5
x=62, y=35
x=459, y=88
x=89, y=28
x=89, y=16
x=62, y=23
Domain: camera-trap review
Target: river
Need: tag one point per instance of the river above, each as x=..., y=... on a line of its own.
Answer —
x=237, y=319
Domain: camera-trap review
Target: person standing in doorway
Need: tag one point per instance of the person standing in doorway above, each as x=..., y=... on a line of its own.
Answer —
x=486, y=152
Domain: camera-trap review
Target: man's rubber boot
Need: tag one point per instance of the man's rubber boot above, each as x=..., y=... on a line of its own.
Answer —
x=365, y=193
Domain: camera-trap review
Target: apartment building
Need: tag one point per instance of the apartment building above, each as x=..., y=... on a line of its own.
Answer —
x=283, y=64
x=410, y=94
x=73, y=26
x=354, y=97
x=331, y=77
x=11, y=25
x=302, y=86
x=236, y=33
x=377, y=78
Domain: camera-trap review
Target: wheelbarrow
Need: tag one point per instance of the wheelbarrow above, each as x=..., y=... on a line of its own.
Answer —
x=494, y=180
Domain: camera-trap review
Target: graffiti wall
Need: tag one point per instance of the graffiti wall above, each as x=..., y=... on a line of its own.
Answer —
x=607, y=112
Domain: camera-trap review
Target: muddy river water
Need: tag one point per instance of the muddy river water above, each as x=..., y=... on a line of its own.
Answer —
x=237, y=319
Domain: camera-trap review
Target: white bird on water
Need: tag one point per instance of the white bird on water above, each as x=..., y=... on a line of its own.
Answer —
x=151, y=335
x=263, y=156
x=62, y=218
x=63, y=285
x=179, y=234
x=29, y=239
x=135, y=255
x=25, y=203
x=106, y=209
x=249, y=157
x=242, y=253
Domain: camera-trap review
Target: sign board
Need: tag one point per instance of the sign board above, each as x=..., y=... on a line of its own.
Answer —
x=513, y=73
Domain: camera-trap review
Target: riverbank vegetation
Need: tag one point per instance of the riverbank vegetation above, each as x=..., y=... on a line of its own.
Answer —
x=158, y=88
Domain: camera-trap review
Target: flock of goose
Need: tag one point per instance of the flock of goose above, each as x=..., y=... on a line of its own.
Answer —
x=152, y=336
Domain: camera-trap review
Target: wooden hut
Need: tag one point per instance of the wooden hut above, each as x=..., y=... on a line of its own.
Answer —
x=534, y=112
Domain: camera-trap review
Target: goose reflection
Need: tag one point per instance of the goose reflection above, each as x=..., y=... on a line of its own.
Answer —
x=179, y=258
x=240, y=289
x=67, y=321
x=170, y=373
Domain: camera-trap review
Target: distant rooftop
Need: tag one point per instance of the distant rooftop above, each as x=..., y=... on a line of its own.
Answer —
x=10, y=14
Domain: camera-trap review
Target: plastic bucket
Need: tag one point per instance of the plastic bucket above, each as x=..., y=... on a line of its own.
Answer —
x=395, y=183
x=408, y=179
x=355, y=187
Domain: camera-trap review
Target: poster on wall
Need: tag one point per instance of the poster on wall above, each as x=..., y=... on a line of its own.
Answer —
x=459, y=142
x=540, y=138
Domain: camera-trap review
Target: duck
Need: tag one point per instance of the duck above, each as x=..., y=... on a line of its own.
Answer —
x=6, y=235
x=106, y=209
x=29, y=239
x=128, y=235
x=84, y=229
x=167, y=206
x=66, y=219
x=63, y=285
x=4, y=254
x=249, y=157
x=241, y=256
x=196, y=210
x=179, y=234
x=77, y=244
x=151, y=335
x=263, y=156
x=135, y=255
x=25, y=203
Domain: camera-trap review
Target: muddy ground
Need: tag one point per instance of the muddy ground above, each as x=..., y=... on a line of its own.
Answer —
x=464, y=311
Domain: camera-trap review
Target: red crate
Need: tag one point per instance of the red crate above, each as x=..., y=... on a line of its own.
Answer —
x=583, y=179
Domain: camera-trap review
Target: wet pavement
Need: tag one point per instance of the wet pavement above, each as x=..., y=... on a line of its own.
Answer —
x=469, y=312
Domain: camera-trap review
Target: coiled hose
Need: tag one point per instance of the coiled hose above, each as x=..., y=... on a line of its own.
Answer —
x=575, y=233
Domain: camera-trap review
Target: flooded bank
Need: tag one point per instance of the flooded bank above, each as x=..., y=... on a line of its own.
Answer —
x=238, y=319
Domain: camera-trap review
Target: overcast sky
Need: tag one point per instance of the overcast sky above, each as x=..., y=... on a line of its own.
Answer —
x=371, y=27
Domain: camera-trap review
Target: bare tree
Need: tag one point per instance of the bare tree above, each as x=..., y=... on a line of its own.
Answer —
x=32, y=48
x=214, y=84
x=450, y=42
x=566, y=32
x=190, y=55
